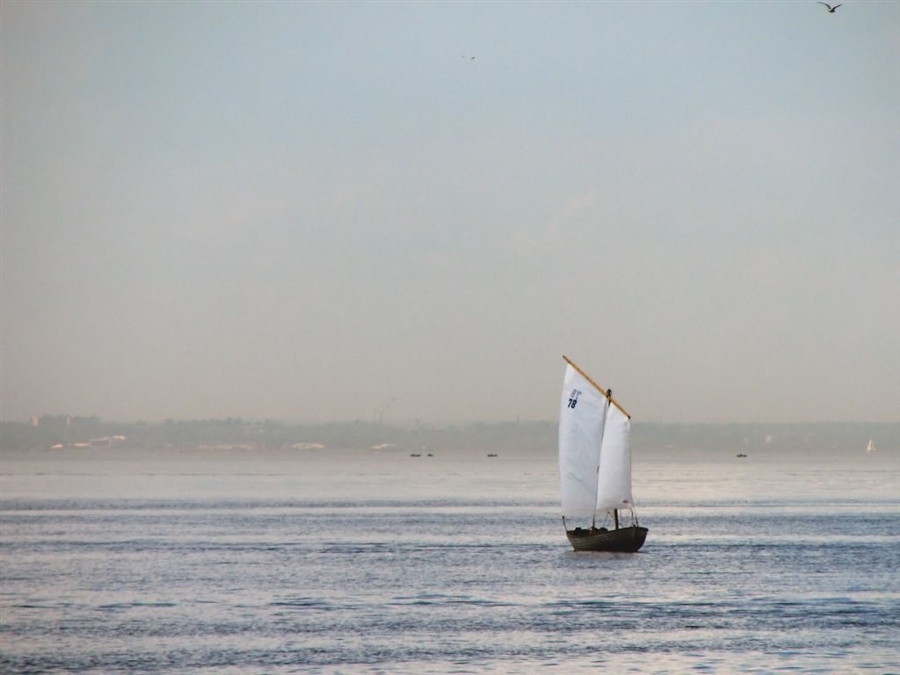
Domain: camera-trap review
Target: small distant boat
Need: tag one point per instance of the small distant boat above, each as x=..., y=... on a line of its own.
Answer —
x=741, y=454
x=595, y=467
x=492, y=454
x=415, y=454
x=870, y=446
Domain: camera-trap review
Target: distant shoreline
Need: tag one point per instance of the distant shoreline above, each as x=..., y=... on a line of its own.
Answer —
x=64, y=432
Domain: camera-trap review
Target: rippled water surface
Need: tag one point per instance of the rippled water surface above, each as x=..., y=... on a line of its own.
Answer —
x=359, y=562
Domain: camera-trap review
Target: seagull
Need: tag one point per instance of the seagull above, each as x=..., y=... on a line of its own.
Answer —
x=830, y=8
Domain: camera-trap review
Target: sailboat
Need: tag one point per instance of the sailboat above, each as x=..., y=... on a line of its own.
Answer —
x=870, y=446
x=595, y=467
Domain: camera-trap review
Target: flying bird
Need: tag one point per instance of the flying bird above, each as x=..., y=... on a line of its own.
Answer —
x=830, y=8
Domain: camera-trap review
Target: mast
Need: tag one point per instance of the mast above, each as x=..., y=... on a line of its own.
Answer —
x=599, y=446
x=614, y=471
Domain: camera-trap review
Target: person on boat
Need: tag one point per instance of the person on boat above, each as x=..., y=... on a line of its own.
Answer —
x=609, y=394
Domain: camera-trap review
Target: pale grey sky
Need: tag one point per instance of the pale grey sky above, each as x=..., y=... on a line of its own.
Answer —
x=304, y=211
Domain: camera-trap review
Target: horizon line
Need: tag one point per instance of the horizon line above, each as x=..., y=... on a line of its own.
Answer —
x=425, y=423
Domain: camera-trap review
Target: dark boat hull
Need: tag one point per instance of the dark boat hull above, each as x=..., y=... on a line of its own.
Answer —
x=625, y=539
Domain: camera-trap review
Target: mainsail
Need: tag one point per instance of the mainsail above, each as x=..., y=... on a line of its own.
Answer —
x=582, y=417
x=594, y=452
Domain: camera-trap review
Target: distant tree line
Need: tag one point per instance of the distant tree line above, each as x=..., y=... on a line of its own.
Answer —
x=48, y=431
x=60, y=430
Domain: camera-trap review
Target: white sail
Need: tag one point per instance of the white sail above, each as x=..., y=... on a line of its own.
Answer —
x=582, y=413
x=614, y=480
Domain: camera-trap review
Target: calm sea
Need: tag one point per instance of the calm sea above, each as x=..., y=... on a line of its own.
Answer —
x=378, y=562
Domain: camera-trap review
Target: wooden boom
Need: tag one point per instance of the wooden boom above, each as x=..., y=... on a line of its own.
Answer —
x=599, y=388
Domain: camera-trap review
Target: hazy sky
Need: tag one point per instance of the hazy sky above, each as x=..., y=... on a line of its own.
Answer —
x=310, y=211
